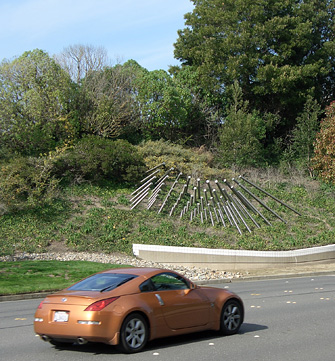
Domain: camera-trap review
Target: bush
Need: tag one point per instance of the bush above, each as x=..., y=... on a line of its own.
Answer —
x=26, y=182
x=97, y=159
x=241, y=135
x=324, y=147
x=194, y=162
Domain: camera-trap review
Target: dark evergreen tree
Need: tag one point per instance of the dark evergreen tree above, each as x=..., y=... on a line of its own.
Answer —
x=280, y=52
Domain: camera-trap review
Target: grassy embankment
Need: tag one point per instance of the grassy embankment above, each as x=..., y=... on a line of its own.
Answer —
x=37, y=276
x=99, y=219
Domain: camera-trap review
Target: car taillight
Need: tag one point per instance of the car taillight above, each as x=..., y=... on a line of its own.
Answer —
x=99, y=305
x=40, y=305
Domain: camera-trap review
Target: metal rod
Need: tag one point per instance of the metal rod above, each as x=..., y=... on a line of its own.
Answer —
x=178, y=199
x=157, y=166
x=223, y=191
x=216, y=215
x=259, y=201
x=159, y=185
x=210, y=215
x=195, y=193
x=226, y=211
x=247, y=213
x=244, y=200
x=164, y=176
x=198, y=187
x=150, y=175
x=143, y=185
x=169, y=193
x=139, y=200
x=155, y=191
x=227, y=198
x=206, y=197
x=187, y=183
x=191, y=199
x=209, y=187
x=172, y=210
x=235, y=223
x=133, y=200
x=221, y=214
x=153, y=199
x=225, y=181
x=237, y=203
x=270, y=195
x=205, y=212
x=232, y=210
x=242, y=219
x=254, y=209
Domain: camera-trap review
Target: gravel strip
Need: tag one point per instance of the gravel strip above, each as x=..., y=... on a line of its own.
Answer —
x=193, y=273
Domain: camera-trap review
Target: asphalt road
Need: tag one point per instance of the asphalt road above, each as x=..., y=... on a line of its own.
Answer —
x=286, y=319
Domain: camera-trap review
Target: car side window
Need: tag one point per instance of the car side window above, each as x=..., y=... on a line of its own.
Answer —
x=147, y=286
x=169, y=281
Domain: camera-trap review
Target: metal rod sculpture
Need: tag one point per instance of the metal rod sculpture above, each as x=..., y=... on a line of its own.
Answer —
x=233, y=206
x=270, y=195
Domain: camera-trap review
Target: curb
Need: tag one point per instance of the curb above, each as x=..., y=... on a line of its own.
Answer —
x=223, y=259
x=24, y=296
x=266, y=277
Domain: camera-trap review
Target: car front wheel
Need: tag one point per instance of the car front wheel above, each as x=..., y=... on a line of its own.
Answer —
x=231, y=317
x=133, y=334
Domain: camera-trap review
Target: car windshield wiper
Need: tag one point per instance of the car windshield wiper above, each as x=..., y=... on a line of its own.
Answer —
x=116, y=285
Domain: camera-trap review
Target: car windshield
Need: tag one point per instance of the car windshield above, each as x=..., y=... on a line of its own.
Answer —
x=102, y=282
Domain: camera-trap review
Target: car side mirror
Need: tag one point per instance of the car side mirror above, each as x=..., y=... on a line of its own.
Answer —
x=192, y=287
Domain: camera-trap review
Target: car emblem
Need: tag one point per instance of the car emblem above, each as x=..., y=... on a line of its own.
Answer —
x=64, y=299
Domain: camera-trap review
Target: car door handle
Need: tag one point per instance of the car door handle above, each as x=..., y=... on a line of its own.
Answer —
x=159, y=298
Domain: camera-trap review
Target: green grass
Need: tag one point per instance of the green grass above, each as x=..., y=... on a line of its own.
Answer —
x=99, y=219
x=36, y=276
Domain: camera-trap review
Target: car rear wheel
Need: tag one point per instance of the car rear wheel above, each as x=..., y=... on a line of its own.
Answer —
x=231, y=317
x=133, y=334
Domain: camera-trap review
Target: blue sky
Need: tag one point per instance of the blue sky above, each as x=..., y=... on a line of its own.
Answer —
x=143, y=30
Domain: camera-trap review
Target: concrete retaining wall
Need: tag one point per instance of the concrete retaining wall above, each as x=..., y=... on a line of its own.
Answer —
x=224, y=259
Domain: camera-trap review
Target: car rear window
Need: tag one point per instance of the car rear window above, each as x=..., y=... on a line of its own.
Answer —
x=102, y=282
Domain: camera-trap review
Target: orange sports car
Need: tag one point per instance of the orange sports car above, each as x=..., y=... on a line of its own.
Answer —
x=128, y=307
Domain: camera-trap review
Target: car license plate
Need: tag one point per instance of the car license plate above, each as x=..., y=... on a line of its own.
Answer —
x=61, y=316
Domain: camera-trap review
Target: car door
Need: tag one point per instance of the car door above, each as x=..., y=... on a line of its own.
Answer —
x=182, y=306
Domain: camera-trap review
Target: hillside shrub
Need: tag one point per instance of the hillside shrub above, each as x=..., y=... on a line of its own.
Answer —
x=26, y=182
x=96, y=159
x=194, y=162
x=324, y=147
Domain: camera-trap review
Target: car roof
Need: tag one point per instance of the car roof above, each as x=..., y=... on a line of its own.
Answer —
x=138, y=271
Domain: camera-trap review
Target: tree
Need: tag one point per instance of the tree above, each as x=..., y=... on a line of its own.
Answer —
x=324, y=159
x=108, y=100
x=164, y=105
x=241, y=134
x=35, y=103
x=80, y=60
x=280, y=51
x=204, y=110
x=304, y=134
